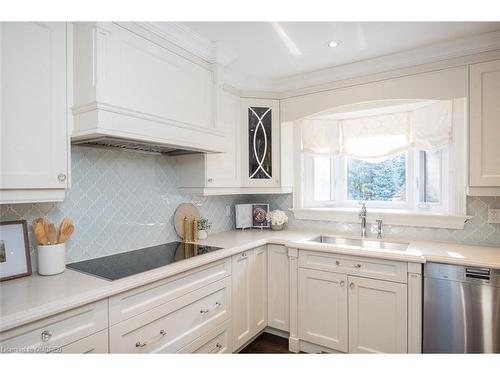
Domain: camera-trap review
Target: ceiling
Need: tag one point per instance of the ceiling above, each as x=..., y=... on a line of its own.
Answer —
x=273, y=51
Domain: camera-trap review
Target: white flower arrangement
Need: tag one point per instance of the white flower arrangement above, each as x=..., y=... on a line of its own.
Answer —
x=277, y=217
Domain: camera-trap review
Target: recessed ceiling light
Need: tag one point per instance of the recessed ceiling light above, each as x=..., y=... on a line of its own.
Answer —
x=333, y=44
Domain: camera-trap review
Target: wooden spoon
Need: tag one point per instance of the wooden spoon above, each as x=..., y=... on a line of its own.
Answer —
x=39, y=232
x=51, y=234
x=65, y=230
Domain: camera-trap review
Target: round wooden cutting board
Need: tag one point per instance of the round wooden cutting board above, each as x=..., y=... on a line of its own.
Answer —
x=188, y=210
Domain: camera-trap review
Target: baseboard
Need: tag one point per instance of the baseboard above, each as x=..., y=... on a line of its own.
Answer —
x=277, y=332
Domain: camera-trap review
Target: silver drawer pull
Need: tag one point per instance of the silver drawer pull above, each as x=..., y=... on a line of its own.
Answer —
x=214, y=307
x=217, y=348
x=139, y=344
x=46, y=335
x=357, y=265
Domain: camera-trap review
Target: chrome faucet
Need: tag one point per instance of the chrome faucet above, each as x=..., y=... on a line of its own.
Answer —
x=379, y=228
x=362, y=216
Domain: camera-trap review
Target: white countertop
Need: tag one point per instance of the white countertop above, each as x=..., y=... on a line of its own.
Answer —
x=35, y=297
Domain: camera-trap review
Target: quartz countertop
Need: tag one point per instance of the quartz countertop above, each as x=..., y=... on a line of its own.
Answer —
x=35, y=297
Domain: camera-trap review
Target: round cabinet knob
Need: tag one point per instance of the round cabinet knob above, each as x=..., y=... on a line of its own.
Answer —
x=210, y=180
x=46, y=335
x=61, y=177
x=357, y=266
x=337, y=263
x=342, y=283
x=352, y=285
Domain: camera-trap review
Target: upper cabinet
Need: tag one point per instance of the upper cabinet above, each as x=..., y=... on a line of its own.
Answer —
x=484, y=153
x=260, y=143
x=253, y=162
x=34, y=112
x=132, y=85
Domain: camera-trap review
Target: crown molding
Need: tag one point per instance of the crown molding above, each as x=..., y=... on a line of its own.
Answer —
x=419, y=56
x=189, y=40
x=213, y=53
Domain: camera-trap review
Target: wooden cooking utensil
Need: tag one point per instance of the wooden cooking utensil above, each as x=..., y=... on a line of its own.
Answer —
x=51, y=234
x=65, y=230
x=39, y=232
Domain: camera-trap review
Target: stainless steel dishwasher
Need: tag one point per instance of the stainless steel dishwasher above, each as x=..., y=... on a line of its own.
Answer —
x=461, y=309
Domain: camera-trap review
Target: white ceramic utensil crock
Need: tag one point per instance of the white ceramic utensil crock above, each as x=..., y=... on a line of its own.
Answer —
x=51, y=259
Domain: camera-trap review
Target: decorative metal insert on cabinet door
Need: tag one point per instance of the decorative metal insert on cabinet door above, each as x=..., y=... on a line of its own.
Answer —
x=259, y=143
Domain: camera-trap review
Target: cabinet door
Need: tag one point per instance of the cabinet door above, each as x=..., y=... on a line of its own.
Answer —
x=278, y=287
x=261, y=143
x=377, y=316
x=258, y=290
x=241, y=298
x=224, y=169
x=484, y=153
x=323, y=308
x=93, y=344
x=34, y=139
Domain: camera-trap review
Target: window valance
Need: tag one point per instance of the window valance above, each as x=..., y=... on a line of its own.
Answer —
x=379, y=136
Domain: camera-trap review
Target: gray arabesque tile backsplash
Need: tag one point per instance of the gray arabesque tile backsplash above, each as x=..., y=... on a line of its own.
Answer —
x=121, y=200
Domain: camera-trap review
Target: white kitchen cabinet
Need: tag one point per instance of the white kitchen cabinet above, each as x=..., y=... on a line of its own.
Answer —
x=241, y=285
x=58, y=330
x=484, y=153
x=93, y=344
x=249, y=272
x=377, y=316
x=34, y=111
x=322, y=308
x=258, y=290
x=130, y=84
x=169, y=327
x=216, y=173
x=260, y=142
x=278, y=287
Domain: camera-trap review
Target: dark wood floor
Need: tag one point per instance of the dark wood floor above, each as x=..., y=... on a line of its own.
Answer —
x=267, y=343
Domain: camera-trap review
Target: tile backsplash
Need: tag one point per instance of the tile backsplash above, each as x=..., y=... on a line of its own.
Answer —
x=121, y=200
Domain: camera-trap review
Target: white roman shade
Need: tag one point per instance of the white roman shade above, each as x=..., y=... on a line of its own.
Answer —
x=380, y=136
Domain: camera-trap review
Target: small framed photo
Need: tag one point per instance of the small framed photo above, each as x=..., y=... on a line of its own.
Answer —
x=259, y=213
x=14, y=250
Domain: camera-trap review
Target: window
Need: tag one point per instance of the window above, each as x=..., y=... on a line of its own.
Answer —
x=411, y=180
x=381, y=181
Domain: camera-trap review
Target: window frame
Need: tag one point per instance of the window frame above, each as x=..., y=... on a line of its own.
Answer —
x=338, y=185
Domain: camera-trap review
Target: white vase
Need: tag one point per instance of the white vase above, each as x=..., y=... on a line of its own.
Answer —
x=202, y=234
x=51, y=259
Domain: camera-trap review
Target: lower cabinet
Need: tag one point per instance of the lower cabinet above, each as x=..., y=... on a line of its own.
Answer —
x=171, y=326
x=217, y=341
x=352, y=314
x=278, y=287
x=93, y=344
x=377, y=316
x=323, y=308
x=249, y=284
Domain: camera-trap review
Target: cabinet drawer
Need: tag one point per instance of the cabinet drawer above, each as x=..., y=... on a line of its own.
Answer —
x=374, y=268
x=215, y=342
x=93, y=344
x=169, y=327
x=133, y=302
x=59, y=330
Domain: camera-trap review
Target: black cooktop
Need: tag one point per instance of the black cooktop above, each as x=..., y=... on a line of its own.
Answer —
x=121, y=265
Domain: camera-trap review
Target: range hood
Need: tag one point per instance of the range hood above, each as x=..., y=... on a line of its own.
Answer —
x=132, y=145
x=135, y=94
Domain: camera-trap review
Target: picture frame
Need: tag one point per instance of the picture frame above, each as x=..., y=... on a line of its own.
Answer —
x=15, y=260
x=259, y=213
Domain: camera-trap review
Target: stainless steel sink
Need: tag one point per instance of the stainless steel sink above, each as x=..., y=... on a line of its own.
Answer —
x=363, y=244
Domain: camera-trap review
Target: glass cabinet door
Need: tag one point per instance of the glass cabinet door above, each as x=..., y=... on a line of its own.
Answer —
x=261, y=137
x=260, y=143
